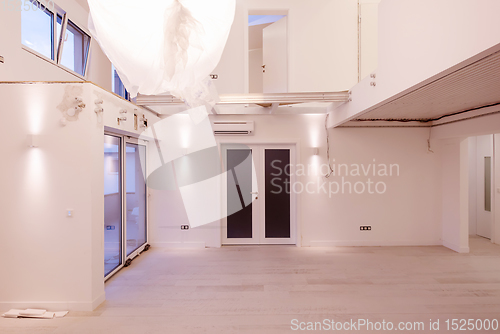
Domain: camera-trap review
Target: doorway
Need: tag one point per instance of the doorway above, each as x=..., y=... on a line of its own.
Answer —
x=268, y=53
x=259, y=204
x=481, y=185
x=125, y=201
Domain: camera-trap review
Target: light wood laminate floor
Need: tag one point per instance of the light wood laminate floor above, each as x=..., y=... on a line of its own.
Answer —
x=262, y=289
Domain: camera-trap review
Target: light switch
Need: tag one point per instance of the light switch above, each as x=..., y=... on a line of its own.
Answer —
x=69, y=213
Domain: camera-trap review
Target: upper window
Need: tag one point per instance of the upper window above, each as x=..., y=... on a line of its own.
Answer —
x=118, y=87
x=75, y=50
x=42, y=26
x=37, y=30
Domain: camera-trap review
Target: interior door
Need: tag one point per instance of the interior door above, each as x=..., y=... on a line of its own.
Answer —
x=277, y=179
x=241, y=192
x=275, y=56
x=484, y=185
x=258, y=198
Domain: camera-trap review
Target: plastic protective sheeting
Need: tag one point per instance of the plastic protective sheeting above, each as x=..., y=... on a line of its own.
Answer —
x=160, y=46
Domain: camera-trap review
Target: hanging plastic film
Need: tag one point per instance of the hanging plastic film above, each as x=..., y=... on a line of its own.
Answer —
x=160, y=46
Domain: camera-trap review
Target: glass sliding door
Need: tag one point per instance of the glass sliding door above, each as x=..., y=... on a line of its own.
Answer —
x=136, y=196
x=125, y=201
x=113, y=245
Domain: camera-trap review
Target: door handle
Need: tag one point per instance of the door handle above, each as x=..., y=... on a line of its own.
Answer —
x=254, y=193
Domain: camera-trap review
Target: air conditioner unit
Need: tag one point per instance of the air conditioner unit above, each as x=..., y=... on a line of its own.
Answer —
x=233, y=128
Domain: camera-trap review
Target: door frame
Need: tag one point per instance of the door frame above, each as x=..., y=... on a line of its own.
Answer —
x=123, y=165
x=294, y=146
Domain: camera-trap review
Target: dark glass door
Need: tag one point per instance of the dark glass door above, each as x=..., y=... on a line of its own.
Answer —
x=239, y=194
x=277, y=198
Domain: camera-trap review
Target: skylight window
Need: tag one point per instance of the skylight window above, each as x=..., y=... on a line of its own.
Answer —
x=255, y=20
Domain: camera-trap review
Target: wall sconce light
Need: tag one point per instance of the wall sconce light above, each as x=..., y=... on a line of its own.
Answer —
x=315, y=150
x=33, y=141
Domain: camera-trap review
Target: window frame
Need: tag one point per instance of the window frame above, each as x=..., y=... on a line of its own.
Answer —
x=58, y=45
x=113, y=84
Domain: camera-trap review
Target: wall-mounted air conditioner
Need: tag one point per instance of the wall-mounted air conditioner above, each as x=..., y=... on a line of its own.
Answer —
x=233, y=128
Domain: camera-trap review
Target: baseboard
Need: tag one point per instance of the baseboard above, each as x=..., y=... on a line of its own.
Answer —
x=181, y=245
x=98, y=301
x=370, y=243
x=456, y=248
x=54, y=306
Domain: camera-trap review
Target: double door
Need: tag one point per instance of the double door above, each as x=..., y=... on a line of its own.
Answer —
x=125, y=201
x=259, y=203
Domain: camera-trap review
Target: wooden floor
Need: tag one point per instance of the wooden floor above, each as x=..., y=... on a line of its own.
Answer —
x=262, y=289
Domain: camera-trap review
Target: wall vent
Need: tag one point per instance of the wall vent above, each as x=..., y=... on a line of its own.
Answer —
x=240, y=128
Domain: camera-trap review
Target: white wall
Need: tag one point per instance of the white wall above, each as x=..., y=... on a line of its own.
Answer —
x=322, y=45
x=408, y=214
x=419, y=39
x=455, y=194
x=21, y=65
x=52, y=261
x=369, y=36
x=472, y=185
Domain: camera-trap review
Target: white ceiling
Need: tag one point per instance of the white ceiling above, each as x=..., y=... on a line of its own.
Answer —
x=84, y=4
x=470, y=87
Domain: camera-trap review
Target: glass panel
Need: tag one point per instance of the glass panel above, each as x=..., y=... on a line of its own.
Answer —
x=136, y=197
x=112, y=204
x=36, y=30
x=487, y=184
x=75, y=49
x=118, y=87
x=277, y=172
x=239, y=197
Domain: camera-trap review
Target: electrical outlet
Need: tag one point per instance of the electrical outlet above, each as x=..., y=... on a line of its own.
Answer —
x=365, y=228
x=184, y=227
